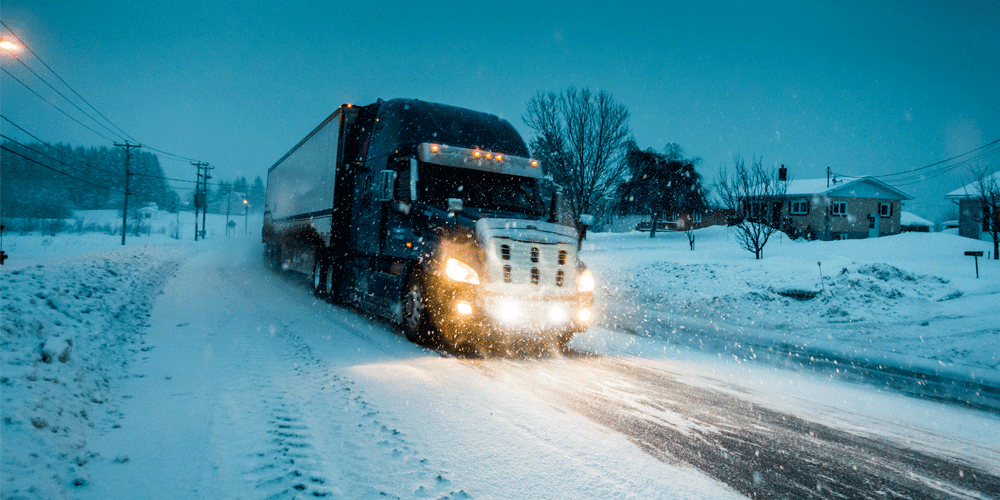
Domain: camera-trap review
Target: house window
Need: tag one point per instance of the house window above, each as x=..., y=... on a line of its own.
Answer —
x=885, y=209
x=800, y=207
x=839, y=208
x=696, y=217
x=757, y=209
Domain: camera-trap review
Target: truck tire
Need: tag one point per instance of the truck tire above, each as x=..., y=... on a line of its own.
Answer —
x=416, y=324
x=319, y=278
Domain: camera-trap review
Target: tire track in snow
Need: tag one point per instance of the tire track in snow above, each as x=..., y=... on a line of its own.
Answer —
x=316, y=434
x=759, y=452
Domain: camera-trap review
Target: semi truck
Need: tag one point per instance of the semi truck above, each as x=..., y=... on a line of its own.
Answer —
x=433, y=217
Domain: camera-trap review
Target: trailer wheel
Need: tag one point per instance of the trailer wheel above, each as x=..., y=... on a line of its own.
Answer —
x=414, y=305
x=319, y=278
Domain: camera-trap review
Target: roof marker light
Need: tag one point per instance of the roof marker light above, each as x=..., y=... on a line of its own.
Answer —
x=434, y=148
x=534, y=163
x=499, y=157
x=477, y=154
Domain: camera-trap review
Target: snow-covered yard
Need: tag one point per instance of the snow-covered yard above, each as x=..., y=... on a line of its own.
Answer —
x=911, y=300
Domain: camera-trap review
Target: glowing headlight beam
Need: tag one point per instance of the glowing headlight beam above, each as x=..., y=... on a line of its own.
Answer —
x=585, y=281
x=460, y=271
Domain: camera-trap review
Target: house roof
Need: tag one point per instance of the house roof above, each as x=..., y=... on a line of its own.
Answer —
x=972, y=189
x=822, y=186
x=910, y=219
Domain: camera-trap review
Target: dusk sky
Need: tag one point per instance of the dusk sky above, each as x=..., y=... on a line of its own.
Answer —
x=865, y=88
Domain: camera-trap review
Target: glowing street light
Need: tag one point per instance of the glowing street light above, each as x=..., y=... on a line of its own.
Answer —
x=9, y=45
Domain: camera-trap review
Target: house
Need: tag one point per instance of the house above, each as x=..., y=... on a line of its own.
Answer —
x=973, y=215
x=670, y=221
x=838, y=208
x=149, y=212
x=913, y=223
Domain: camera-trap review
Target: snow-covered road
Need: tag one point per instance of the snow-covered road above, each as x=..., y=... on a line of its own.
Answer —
x=234, y=382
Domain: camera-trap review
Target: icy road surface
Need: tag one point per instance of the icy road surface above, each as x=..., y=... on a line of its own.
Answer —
x=237, y=383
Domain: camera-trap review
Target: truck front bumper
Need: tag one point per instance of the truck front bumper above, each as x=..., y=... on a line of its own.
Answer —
x=470, y=310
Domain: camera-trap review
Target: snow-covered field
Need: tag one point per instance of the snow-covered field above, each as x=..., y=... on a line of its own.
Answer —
x=127, y=369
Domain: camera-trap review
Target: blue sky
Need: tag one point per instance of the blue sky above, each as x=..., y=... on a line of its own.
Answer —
x=861, y=87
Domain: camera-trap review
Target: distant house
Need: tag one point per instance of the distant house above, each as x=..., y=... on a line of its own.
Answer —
x=913, y=223
x=973, y=215
x=670, y=221
x=229, y=203
x=149, y=212
x=844, y=208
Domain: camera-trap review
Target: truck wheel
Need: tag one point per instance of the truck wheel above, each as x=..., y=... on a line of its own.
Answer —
x=319, y=278
x=414, y=305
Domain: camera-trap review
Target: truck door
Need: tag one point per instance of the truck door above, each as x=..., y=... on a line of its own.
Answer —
x=367, y=214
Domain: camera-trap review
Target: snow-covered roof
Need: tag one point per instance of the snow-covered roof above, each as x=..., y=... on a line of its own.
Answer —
x=972, y=189
x=910, y=219
x=824, y=186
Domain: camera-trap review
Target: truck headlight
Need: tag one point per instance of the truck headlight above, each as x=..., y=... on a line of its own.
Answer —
x=585, y=281
x=460, y=271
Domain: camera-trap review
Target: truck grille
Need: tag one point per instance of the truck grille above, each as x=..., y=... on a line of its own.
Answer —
x=529, y=267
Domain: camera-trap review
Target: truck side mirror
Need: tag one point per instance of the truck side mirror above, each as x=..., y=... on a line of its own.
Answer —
x=454, y=204
x=386, y=188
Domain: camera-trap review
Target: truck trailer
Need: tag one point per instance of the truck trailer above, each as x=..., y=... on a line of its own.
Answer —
x=433, y=217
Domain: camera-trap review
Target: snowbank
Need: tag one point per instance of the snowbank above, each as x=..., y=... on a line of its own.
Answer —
x=69, y=333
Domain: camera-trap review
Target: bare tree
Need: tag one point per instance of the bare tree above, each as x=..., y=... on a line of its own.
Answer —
x=754, y=195
x=580, y=141
x=987, y=195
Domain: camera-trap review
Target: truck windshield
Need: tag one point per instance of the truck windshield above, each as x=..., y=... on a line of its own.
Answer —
x=479, y=189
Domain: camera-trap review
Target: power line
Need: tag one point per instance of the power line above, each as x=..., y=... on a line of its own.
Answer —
x=939, y=168
x=64, y=82
x=29, y=148
x=64, y=96
x=5, y=148
x=92, y=167
x=53, y=148
x=71, y=117
x=176, y=156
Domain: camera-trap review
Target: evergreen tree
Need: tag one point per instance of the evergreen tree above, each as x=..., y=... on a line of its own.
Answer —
x=660, y=183
x=256, y=195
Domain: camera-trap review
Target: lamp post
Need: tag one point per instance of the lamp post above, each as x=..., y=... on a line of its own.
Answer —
x=246, y=211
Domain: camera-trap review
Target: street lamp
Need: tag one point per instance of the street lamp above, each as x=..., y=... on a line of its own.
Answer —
x=9, y=45
x=246, y=210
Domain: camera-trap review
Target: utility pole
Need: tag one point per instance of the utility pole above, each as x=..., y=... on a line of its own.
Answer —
x=200, y=194
x=229, y=206
x=204, y=208
x=128, y=174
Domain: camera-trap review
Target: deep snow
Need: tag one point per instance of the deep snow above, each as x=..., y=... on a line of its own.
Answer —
x=169, y=369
